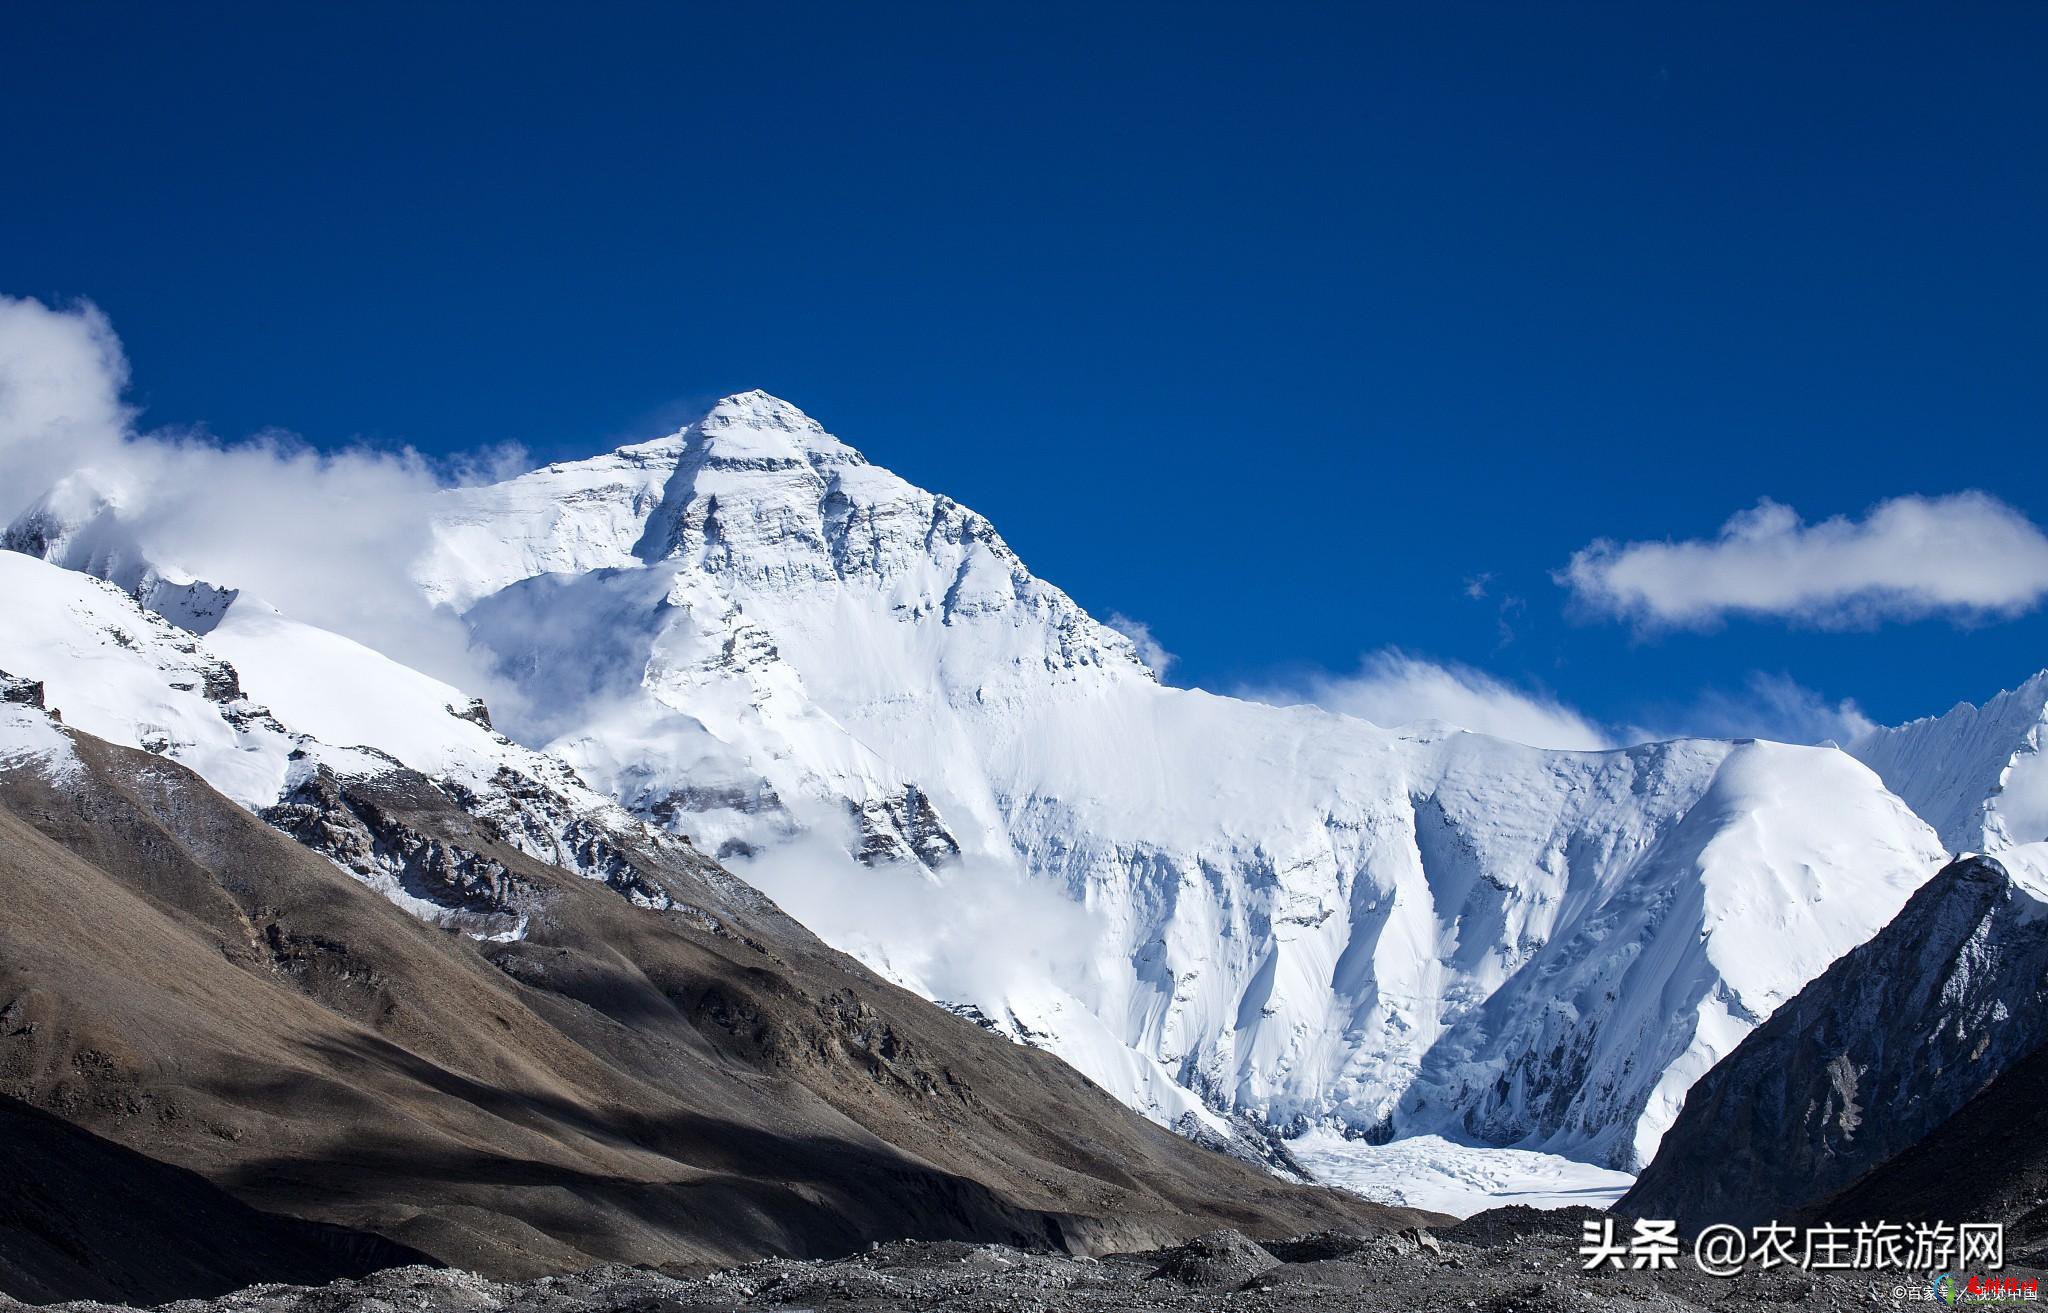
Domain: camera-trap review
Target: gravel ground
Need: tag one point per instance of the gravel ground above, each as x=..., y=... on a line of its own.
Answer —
x=1507, y=1261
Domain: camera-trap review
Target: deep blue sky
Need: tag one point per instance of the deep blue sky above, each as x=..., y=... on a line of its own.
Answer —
x=1267, y=326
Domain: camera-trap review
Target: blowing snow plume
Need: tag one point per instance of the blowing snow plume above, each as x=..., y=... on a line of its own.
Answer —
x=1393, y=688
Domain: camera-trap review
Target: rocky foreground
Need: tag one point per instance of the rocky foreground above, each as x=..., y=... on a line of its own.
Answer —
x=1509, y=1259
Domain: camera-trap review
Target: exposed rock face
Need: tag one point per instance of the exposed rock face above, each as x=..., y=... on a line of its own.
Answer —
x=544, y=819
x=1987, y=1163
x=21, y=692
x=1243, y=1138
x=903, y=828
x=474, y=711
x=465, y=889
x=1867, y=1060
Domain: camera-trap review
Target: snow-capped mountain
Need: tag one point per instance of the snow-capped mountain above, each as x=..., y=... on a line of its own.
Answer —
x=747, y=637
x=748, y=633
x=262, y=707
x=649, y=1063
x=1977, y=774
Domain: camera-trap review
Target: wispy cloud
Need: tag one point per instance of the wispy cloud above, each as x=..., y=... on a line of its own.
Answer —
x=1768, y=706
x=1508, y=608
x=1392, y=688
x=1966, y=556
x=882, y=915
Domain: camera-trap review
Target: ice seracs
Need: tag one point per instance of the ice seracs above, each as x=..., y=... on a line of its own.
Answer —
x=1445, y=1176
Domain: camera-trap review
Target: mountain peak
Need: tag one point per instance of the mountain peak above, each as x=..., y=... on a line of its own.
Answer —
x=77, y=525
x=742, y=421
x=71, y=506
x=753, y=426
x=624, y=506
x=759, y=409
x=1978, y=774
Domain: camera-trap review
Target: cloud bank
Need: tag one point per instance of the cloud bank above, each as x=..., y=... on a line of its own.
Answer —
x=330, y=537
x=327, y=537
x=62, y=374
x=882, y=915
x=1393, y=688
x=1965, y=556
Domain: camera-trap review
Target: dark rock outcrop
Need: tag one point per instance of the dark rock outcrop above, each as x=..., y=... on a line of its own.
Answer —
x=22, y=692
x=1988, y=1163
x=473, y=891
x=474, y=711
x=904, y=827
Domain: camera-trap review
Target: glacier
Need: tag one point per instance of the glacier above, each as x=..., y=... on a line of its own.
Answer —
x=1428, y=1171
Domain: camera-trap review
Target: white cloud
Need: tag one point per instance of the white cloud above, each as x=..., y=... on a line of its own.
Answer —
x=1004, y=936
x=1393, y=688
x=1775, y=707
x=2023, y=801
x=61, y=378
x=327, y=537
x=1150, y=650
x=1966, y=556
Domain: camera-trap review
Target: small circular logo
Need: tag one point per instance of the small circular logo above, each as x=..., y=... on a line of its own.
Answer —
x=1948, y=1289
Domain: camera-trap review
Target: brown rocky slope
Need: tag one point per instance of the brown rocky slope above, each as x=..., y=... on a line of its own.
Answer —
x=703, y=1083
